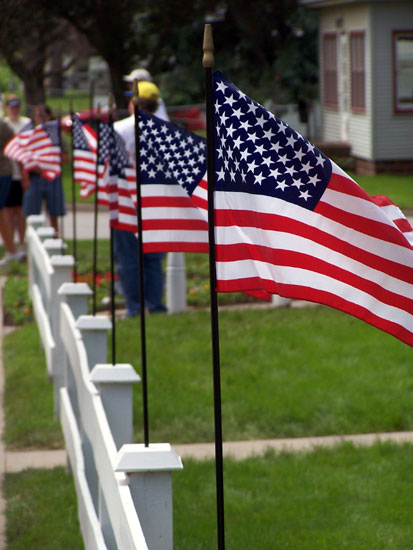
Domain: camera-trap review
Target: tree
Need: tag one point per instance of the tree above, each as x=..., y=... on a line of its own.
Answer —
x=27, y=36
x=109, y=27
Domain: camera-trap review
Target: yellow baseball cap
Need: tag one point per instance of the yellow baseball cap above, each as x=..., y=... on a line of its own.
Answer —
x=148, y=90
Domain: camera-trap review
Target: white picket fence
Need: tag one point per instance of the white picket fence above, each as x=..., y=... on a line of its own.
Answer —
x=124, y=490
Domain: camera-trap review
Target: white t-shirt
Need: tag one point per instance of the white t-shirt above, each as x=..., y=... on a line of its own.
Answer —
x=126, y=129
x=16, y=126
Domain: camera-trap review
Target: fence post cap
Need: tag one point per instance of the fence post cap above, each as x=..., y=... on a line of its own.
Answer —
x=46, y=232
x=121, y=373
x=62, y=261
x=157, y=457
x=93, y=322
x=75, y=289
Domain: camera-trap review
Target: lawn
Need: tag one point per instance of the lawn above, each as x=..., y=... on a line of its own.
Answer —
x=285, y=372
x=345, y=498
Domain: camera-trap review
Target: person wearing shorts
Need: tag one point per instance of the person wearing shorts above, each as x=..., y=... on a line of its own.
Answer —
x=6, y=134
x=14, y=208
x=41, y=189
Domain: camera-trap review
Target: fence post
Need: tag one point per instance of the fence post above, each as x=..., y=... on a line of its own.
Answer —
x=36, y=221
x=54, y=246
x=46, y=233
x=149, y=470
x=94, y=331
x=62, y=273
x=115, y=387
x=175, y=282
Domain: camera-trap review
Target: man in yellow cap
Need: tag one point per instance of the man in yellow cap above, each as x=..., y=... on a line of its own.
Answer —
x=125, y=242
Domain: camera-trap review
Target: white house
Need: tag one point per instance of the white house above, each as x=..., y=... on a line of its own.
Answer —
x=366, y=77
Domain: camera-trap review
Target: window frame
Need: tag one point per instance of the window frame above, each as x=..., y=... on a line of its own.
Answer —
x=396, y=103
x=358, y=72
x=330, y=75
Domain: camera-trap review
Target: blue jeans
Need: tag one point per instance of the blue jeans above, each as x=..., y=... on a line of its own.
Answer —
x=42, y=189
x=125, y=248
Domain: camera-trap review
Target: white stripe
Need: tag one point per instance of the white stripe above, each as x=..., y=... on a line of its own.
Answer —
x=309, y=279
x=286, y=241
x=272, y=205
x=173, y=235
x=159, y=213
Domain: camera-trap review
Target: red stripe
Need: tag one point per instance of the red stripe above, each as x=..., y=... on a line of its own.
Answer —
x=361, y=224
x=318, y=296
x=274, y=222
x=279, y=257
x=176, y=246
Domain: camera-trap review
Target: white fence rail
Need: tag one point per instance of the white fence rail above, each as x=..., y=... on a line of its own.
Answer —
x=124, y=490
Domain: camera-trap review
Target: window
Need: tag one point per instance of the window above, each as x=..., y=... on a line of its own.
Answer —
x=358, y=72
x=330, y=70
x=403, y=70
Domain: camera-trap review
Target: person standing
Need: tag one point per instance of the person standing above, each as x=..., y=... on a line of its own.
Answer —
x=14, y=208
x=6, y=168
x=125, y=242
x=41, y=188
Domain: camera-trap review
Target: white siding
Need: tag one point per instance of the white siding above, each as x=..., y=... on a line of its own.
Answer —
x=392, y=133
x=342, y=124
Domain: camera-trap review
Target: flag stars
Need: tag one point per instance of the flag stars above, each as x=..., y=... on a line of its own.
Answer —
x=304, y=195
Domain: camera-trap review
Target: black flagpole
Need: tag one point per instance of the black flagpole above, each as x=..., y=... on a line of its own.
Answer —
x=141, y=273
x=112, y=256
x=59, y=137
x=208, y=63
x=73, y=200
x=95, y=224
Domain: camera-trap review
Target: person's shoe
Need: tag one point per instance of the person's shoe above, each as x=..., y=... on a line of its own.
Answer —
x=8, y=258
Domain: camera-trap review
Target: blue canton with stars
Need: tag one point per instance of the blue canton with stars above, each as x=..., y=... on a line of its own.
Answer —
x=52, y=129
x=79, y=138
x=169, y=154
x=258, y=153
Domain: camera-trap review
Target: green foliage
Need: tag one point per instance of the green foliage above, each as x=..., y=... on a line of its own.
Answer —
x=28, y=402
x=41, y=511
x=344, y=498
x=17, y=304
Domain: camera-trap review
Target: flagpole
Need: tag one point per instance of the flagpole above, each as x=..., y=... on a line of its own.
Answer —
x=112, y=255
x=208, y=63
x=95, y=224
x=141, y=268
x=73, y=198
x=59, y=137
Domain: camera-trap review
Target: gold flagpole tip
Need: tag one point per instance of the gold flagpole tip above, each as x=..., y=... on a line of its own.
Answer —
x=135, y=93
x=208, y=47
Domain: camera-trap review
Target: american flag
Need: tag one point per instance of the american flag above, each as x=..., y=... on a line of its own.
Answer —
x=84, y=146
x=173, y=189
x=289, y=221
x=38, y=149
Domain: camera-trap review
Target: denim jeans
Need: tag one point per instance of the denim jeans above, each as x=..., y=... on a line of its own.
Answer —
x=42, y=189
x=125, y=248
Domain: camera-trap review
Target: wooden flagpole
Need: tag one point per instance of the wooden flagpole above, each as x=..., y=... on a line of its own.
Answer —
x=112, y=255
x=208, y=63
x=135, y=100
x=95, y=220
x=73, y=198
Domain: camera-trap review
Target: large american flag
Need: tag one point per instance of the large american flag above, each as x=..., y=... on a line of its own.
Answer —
x=38, y=149
x=173, y=188
x=289, y=221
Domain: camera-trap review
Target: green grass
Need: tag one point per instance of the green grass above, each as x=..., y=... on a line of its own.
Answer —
x=398, y=188
x=28, y=401
x=285, y=372
x=41, y=511
x=344, y=498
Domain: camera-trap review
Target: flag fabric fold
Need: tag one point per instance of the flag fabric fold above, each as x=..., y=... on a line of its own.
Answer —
x=173, y=188
x=38, y=149
x=289, y=221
